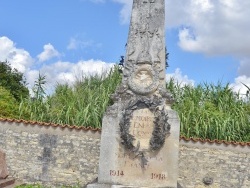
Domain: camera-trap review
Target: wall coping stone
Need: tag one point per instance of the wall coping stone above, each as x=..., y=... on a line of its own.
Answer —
x=49, y=127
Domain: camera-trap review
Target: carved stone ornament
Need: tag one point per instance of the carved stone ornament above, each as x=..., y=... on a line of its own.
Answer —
x=161, y=126
x=144, y=80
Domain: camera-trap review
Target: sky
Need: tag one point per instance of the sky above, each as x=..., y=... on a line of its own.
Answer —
x=208, y=40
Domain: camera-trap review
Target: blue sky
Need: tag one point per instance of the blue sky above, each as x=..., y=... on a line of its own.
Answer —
x=208, y=40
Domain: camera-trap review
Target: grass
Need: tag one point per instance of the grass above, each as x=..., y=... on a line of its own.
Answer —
x=211, y=112
x=206, y=111
x=82, y=104
x=41, y=186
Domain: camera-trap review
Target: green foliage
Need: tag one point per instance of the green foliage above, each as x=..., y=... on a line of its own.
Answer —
x=41, y=186
x=8, y=104
x=13, y=81
x=39, y=88
x=30, y=186
x=82, y=104
x=206, y=111
x=211, y=111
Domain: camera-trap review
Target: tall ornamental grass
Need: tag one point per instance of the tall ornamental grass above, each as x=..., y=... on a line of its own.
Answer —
x=211, y=111
x=206, y=111
x=82, y=104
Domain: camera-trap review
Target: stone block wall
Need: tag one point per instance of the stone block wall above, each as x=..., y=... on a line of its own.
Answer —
x=55, y=155
x=50, y=155
x=227, y=166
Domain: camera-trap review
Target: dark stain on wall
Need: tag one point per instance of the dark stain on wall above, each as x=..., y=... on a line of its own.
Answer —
x=48, y=142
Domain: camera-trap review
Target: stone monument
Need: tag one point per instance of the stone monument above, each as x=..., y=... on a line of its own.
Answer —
x=140, y=132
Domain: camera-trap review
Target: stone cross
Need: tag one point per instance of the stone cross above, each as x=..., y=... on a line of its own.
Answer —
x=140, y=131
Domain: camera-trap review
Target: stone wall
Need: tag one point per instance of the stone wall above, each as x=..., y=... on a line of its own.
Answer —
x=51, y=155
x=56, y=155
x=227, y=166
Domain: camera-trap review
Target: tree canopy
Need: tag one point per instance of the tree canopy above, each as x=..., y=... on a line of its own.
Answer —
x=8, y=104
x=14, y=81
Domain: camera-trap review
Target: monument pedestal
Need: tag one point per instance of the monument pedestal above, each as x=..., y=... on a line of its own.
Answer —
x=119, y=168
x=114, y=186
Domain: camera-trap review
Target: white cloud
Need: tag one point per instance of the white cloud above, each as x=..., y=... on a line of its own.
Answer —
x=68, y=72
x=18, y=58
x=181, y=79
x=57, y=72
x=125, y=11
x=207, y=26
x=211, y=27
x=238, y=85
x=48, y=52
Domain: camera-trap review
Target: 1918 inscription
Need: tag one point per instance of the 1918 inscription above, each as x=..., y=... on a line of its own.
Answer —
x=158, y=176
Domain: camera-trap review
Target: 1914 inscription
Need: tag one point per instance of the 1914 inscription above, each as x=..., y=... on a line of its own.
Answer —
x=116, y=173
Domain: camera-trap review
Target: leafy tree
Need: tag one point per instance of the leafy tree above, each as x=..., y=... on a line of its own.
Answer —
x=8, y=104
x=13, y=81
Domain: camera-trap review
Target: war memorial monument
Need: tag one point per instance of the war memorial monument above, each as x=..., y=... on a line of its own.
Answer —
x=140, y=131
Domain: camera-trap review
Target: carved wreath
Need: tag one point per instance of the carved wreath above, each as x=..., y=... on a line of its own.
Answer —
x=161, y=126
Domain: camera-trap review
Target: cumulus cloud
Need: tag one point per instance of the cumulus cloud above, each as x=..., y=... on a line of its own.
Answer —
x=210, y=27
x=239, y=85
x=178, y=77
x=243, y=78
x=55, y=72
x=213, y=28
x=48, y=52
x=68, y=72
x=17, y=57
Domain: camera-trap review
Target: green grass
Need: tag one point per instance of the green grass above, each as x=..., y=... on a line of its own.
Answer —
x=82, y=104
x=41, y=186
x=206, y=111
x=211, y=112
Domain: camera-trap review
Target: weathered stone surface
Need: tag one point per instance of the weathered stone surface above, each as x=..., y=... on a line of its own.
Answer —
x=7, y=182
x=146, y=39
x=3, y=166
x=119, y=166
x=142, y=126
x=77, y=153
x=140, y=132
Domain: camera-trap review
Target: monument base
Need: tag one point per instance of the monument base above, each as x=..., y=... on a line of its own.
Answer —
x=119, y=168
x=117, y=186
x=96, y=185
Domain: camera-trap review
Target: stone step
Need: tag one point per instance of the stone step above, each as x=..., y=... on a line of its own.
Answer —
x=17, y=183
x=6, y=182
